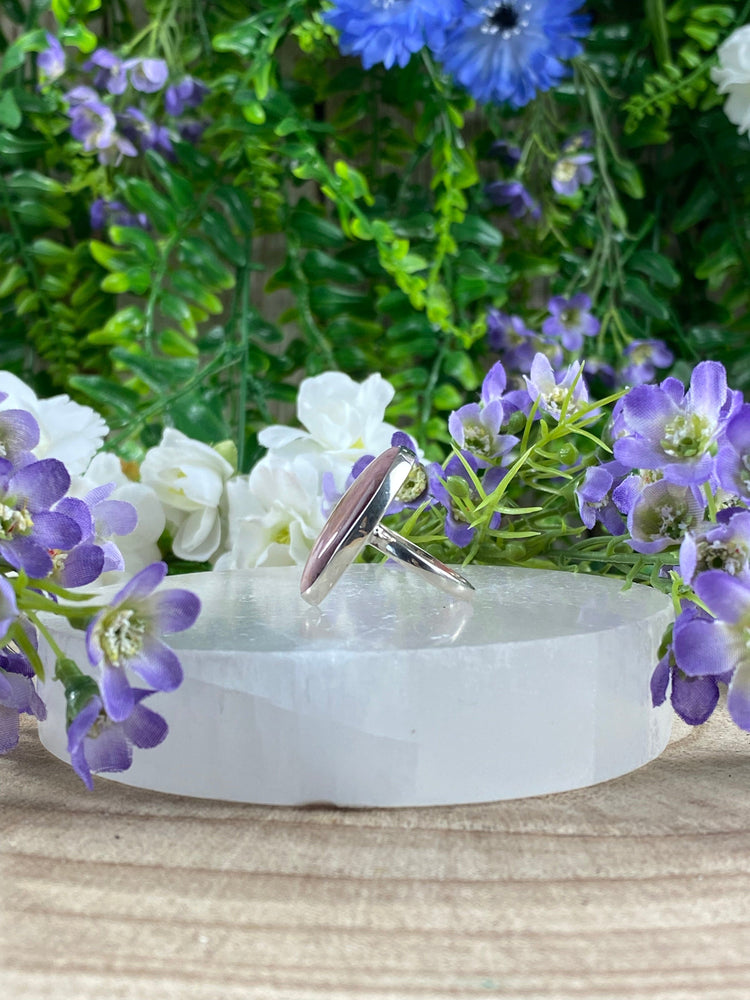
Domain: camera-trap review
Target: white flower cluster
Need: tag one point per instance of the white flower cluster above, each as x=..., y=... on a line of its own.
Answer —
x=269, y=517
x=732, y=77
x=275, y=513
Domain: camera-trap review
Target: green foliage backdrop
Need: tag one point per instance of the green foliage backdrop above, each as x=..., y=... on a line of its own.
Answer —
x=370, y=189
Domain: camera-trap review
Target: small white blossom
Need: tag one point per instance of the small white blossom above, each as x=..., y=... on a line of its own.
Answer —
x=68, y=431
x=732, y=77
x=274, y=514
x=189, y=478
x=343, y=421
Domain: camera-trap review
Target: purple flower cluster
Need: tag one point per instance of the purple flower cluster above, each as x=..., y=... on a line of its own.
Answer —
x=105, y=116
x=679, y=454
x=49, y=543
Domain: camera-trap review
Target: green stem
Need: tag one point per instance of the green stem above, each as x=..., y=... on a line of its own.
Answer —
x=17, y=635
x=37, y=622
x=656, y=18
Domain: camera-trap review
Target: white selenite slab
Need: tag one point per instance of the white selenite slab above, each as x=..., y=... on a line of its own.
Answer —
x=392, y=694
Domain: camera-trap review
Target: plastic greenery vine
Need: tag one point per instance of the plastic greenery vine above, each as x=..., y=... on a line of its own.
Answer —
x=514, y=231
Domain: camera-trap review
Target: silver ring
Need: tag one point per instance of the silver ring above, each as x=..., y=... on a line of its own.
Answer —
x=355, y=522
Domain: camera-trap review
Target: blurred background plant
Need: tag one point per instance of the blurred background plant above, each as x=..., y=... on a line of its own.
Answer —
x=202, y=203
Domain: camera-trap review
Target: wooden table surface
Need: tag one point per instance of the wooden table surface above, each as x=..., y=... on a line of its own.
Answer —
x=639, y=888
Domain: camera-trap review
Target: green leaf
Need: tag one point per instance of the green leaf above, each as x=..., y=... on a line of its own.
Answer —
x=657, y=267
x=198, y=419
x=638, y=294
x=79, y=36
x=447, y=397
x=176, y=344
x=135, y=239
x=15, y=54
x=109, y=257
x=320, y=266
x=61, y=10
x=116, y=283
x=157, y=374
x=107, y=393
x=696, y=208
x=10, y=113
x=475, y=229
x=32, y=182
x=314, y=230
x=459, y=366
x=12, y=145
x=218, y=230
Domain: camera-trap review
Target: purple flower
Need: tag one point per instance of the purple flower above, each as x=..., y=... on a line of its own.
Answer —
x=674, y=431
x=110, y=73
x=509, y=336
x=115, y=213
x=110, y=517
x=643, y=357
x=476, y=428
x=570, y=172
x=136, y=127
x=188, y=93
x=28, y=528
x=414, y=493
x=19, y=434
x=724, y=546
x=51, y=61
x=98, y=519
x=457, y=527
x=693, y=697
x=662, y=514
x=147, y=75
x=570, y=320
x=389, y=31
x=714, y=648
x=513, y=195
x=97, y=743
x=543, y=385
x=118, y=147
x=733, y=458
x=127, y=634
x=506, y=152
x=8, y=606
x=594, y=496
x=92, y=123
x=192, y=131
x=18, y=695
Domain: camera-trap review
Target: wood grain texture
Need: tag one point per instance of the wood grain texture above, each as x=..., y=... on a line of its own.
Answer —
x=639, y=888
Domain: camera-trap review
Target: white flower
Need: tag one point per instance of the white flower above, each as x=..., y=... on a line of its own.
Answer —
x=732, y=77
x=344, y=420
x=139, y=548
x=68, y=431
x=274, y=514
x=188, y=477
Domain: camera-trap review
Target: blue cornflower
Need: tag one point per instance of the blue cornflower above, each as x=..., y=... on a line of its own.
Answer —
x=390, y=31
x=508, y=50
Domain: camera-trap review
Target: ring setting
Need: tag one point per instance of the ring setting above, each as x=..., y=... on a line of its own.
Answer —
x=356, y=522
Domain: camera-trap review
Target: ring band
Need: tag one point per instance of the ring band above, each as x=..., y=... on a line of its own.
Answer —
x=355, y=523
